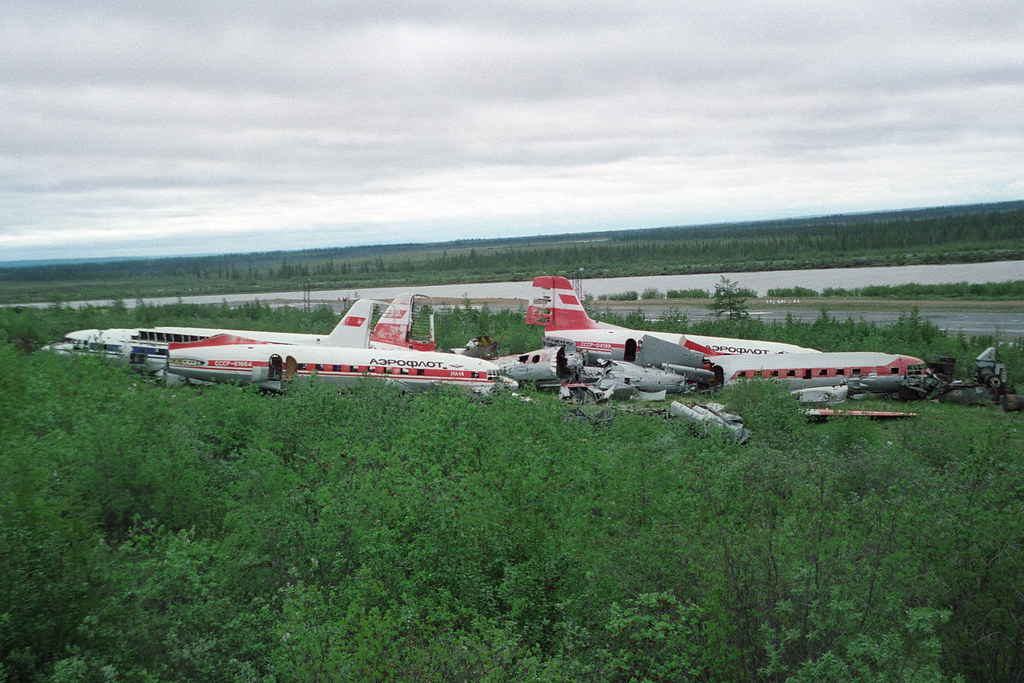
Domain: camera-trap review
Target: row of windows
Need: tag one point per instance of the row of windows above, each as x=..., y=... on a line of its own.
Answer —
x=96, y=346
x=808, y=373
x=318, y=367
x=167, y=337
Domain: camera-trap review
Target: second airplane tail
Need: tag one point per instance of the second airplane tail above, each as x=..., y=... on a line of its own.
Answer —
x=558, y=307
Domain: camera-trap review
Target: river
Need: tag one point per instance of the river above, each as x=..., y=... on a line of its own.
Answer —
x=760, y=282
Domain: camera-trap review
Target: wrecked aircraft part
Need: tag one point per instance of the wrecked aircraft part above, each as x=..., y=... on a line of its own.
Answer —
x=619, y=390
x=821, y=414
x=712, y=418
x=966, y=395
x=649, y=396
x=656, y=353
x=989, y=383
x=641, y=378
x=876, y=384
x=1012, y=402
x=483, y=346
x=822, y=395
x=693, y=374
x=920, y=387
x=990, y=373
x=548, y=367
x=583, y=393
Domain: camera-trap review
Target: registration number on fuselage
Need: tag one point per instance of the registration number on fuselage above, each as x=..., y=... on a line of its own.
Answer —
x=230, y=363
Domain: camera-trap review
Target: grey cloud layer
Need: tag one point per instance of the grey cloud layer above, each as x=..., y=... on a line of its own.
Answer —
x=370, y=122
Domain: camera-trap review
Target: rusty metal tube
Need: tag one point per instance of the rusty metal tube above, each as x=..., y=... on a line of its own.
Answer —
x=1012, y=402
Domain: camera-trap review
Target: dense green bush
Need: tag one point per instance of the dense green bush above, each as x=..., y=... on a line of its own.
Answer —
x=187, y=533
x=791, y=292
x=688, y=294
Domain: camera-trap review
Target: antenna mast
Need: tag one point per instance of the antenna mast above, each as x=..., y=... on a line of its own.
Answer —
x=577, y=285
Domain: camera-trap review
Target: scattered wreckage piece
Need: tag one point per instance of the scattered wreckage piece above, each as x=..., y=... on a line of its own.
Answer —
x=823, y=395
x=630, y=377
x=937, y=384
x=483, y=346
x=991, y=373
x=1012, y=402
x=821, y=414
x=712, y=419
x=562, y=368
x=874, y=383
x=653, y=352
x=547, y=368
x=579, y=392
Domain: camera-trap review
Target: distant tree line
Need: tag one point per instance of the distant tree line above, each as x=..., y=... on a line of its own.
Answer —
x=956, y=290
x=964, y=234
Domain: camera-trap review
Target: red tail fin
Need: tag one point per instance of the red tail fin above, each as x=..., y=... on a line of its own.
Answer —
x=556, y=307
x=396, y=326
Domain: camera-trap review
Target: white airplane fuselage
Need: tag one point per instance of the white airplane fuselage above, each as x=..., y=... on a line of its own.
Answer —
x=805, y=370
x=146, y=348
x=621, y=343
x=566, y=323
x=272, y=366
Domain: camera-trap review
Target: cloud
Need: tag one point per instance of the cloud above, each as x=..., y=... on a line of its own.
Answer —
x=172, y=127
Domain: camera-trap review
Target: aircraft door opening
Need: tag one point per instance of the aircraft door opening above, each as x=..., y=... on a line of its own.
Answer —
x=274, y=368
x=290, y=365
x=629, y=353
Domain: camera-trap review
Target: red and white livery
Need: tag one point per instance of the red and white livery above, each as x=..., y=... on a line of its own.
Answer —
x=566, y=323
x=876, y=372
x=227, y=358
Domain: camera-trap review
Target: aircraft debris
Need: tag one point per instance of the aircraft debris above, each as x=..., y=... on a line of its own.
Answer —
x=823, y=395
x=483, y=346
x=547, y=368
x=1012, y=402
x=578, y=392
x=937, y=383
x=823, y=413
x=631, y=377
x=712, y=419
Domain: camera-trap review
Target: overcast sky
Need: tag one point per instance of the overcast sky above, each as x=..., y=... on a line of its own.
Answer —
x=152, y=128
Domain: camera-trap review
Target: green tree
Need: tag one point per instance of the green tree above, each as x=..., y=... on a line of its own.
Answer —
x=730, y=300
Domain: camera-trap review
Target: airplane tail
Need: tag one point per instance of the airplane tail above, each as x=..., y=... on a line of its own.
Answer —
x=408, y=323
x=557, y=307
x=354, y=329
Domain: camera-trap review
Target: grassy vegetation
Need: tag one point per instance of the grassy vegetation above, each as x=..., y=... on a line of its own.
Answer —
x=950, y=234
x=179, y=533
